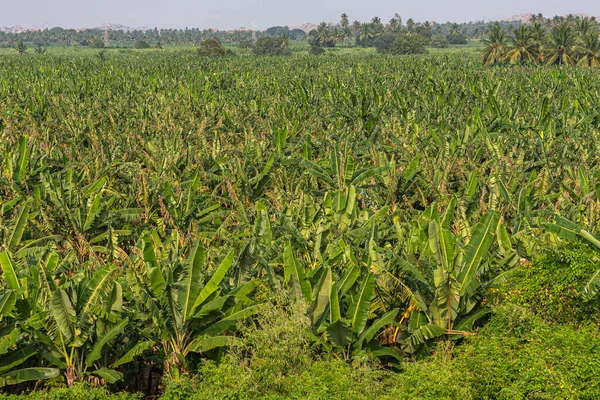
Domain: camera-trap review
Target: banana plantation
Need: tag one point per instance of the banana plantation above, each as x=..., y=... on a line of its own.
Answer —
x=154, y=206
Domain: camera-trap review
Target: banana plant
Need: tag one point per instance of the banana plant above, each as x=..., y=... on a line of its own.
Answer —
x=82, y=322
x=184, y=313
x=340, y=309
x=448, y=299
x=14, y=350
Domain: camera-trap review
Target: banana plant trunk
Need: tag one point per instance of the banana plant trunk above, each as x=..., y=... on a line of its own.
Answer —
x=70, y=376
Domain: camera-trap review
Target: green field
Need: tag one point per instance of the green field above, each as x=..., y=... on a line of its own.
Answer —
x=298, y=47
x=351, y=225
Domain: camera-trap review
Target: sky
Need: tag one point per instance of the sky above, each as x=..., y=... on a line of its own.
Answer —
x=227, y=14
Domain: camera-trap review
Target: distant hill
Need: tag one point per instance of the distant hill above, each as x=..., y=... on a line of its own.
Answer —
x=306, y=27
x=120, y=27
x=526, y=17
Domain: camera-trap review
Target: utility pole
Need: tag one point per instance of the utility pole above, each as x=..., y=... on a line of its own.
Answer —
x=253, y=27
x=106, y=42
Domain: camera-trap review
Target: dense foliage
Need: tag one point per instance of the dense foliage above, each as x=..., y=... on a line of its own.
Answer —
x=152, y=213
x=211, y=48
x=567, y=43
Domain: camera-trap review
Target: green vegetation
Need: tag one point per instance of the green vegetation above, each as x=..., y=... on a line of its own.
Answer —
x=272, y=46
x=354, y=225
x=566, y=43
x=211, y=48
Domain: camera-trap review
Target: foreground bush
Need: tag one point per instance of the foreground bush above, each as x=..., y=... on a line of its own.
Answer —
x=277, y=360
x=552, y=285
x=516, y=356
x=77, y=392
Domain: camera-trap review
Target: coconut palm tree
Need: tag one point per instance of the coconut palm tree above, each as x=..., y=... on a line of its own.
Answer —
x=285, y=41
x=344, y=22
x=589, y=50
x=523, y=48
x=561, y=48
x=356, y=25
x=393, y=25
x=584, y=26
x=20, y=47
x=495, y=46
x=538, y=32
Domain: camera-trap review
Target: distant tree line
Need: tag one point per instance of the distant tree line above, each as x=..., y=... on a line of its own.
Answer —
x=565, y=42
x=396, y=36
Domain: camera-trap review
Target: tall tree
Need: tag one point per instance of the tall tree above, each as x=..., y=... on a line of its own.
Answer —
x=589, y=50
x=523, y=47
x=495, y=46
x=561, y=48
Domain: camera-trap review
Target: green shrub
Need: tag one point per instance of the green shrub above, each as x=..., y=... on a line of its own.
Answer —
x=457, y=38
x=96, y=43
x=211, y=48
x=515, y=356
x=439, y=41
x=270, y=46
x=551, y=286
x=316, y=49
x=77, y=392
x=384, y=43
x=246, y=44
x=141, y=44
x=277, y=360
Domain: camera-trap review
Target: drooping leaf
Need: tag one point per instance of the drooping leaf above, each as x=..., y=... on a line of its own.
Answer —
x=369, y=333
x=8, y=340
x=27, y=374
x=193, y=279
x=63, y=312
x=321, y=296
x=8, y=300
x=230, y=321
x=339, y=333
x=137, y=350
x=213, y=284
x=22, y=160
x=204, y=344
x=109, y=375
x=477, y=249
x=96, y=352
x=16, y=357
x=19, y=227
x=362, y=305
x=9, y=272
x=292, y=268
x=157, y=280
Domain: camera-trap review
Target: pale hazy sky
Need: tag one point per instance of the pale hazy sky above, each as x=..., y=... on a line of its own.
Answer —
x=238, y=13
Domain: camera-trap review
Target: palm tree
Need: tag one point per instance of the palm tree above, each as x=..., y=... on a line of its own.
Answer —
x=356, y=25
x=561, y=49
x=376, y=25
x=523, y=48
x=538, y=32
x=495, y=46
x=344, y=22
x=20, y=47
x=584, y=26
x=589, y=51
